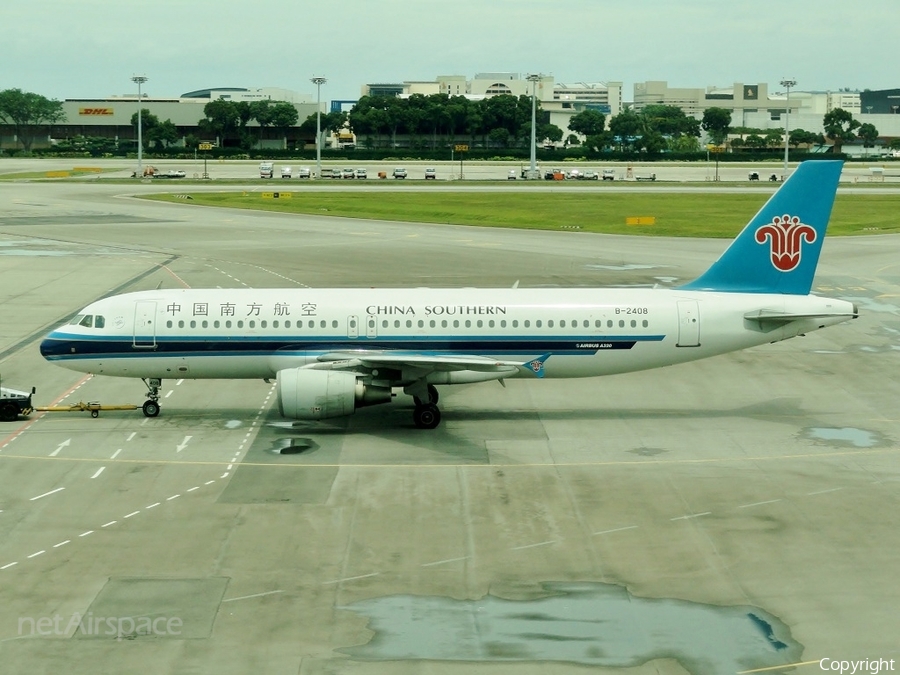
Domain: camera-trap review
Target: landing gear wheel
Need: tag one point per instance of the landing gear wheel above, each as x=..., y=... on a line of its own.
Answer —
x=433, y=395
x=95, y=413
x=426, y=416
x=151, y=408
x=8, y=412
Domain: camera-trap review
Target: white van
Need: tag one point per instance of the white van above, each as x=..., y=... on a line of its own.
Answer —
x=266, y=170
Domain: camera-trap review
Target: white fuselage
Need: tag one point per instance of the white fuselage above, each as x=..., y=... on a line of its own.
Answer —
x=247, y=333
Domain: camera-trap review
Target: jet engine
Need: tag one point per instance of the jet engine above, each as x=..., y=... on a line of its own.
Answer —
x=308, y=394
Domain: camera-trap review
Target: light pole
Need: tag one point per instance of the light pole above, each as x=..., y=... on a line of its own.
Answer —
x=140, y=79
x=318, y=81
x=532, y=173
x=787, y=113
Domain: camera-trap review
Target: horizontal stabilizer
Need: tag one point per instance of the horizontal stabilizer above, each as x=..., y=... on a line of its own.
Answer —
x=779, y=317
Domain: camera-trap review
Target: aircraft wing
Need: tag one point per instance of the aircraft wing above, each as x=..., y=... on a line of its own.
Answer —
x=371, y=359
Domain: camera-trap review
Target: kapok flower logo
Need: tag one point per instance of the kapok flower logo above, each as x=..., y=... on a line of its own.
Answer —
x=786, y=235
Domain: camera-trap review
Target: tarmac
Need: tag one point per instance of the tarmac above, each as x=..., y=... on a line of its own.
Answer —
x=722, y=516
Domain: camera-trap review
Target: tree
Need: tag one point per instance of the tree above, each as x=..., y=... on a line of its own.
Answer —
x=625, y=128
x=149, y=122
x=28, y=112
x=716, y=122
x=221, y=119
x=839, y=127
x=803, y=137
x=163, y=134
x=869, y=134
x=588, y=123
x=774, y=138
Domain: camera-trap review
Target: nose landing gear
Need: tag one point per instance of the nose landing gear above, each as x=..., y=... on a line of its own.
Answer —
x=151, y=405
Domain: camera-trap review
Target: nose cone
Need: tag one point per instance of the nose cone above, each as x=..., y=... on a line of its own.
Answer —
x=52, y=347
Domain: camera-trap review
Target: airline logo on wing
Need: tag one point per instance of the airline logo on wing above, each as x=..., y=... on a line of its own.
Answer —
x=786, y=235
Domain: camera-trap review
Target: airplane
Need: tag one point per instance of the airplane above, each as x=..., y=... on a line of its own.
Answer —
x=332, y=351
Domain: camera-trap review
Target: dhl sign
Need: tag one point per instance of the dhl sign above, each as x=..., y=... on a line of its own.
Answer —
x=95, y=111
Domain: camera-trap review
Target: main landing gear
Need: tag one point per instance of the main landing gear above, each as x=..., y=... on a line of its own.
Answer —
x=151, y=405
x=426, y=414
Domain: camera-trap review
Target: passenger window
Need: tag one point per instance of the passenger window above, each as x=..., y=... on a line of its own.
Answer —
x=479, y=323
x=456, y=323
x=468, y=323
x=538, y=324
x=205, y=323
x=621, y=323
x=181, y=324
x=275, y=324
x=444, y=323
x=645, y=323
x=409, y=323
x=322, y=323
x=597, y=323
x=587, y=324
x=334, y=323
x=396, y=323
x=491, y=323
x=384, y=323
x=502, y=323
x=550, y=323
x=287, y=324
x=562, y=323
x=433, y=323
x=262, y=324
x=421, y=323
x=515, y=323
x=216, y=323
x=87, y=321
x=168, y=324
x=228, y=323
x=312, y=324
x=609, y=323
x=240, y=324
x=99, y=321
x=633, y=323
x=526, y=323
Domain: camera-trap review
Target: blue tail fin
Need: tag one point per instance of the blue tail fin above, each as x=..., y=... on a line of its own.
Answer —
x=779, y=249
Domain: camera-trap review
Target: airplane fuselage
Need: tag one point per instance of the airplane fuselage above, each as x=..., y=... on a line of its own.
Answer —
x=246, y=333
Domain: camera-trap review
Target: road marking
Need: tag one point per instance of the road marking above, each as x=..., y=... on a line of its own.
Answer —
x=822, y=492
x=116, y=453
x=62, y=445
x=99, y=471
x=543, y=543
x=35, y=555
x=133, y=434
x=179, y=448
x=62, y=543
x=46, y=494
x=209, y=482
x=224, y=475
x=692, y=515
x=152, y=505
x=362, y=576
x=196, y=487
x=168, y=499
x=8, y=565
x=112, y=522
x=618, y=529
x=168, y=393
x=747, y=506
x=133, y=513
x=441, y=562
x=255, y=595
x=84, y=534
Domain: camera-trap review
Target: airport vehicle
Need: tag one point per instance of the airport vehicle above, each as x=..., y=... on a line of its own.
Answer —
x=511, y=175
x=332, y=351
x=399, y=173
x=304, y=172
x=266, y=170
x=361, y=174
x=609, y=174
x=430, y=174
x=591, y=175
x=14, y=403
x=348, y=174
x=285, y=172
x=171, y=173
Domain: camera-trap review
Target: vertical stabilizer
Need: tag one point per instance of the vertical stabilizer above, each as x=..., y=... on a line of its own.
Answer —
x=779, y=249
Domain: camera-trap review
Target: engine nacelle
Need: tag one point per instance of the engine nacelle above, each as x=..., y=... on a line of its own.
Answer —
x=309, y=394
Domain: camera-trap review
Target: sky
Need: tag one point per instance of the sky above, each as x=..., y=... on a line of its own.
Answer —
x=91, y=48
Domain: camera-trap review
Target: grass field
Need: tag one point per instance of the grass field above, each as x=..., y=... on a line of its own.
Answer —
x=683, y=214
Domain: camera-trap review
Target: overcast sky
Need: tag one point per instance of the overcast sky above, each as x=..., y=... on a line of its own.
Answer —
x=91, y=48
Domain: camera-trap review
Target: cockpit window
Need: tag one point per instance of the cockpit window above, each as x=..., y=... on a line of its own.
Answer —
x=87, y=321
x=99, y=321
x=77, y=320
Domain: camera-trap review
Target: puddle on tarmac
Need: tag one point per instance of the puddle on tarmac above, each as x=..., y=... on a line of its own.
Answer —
x=233, y=424
x=586, y=623
x=292, y=446
x=844, y=436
